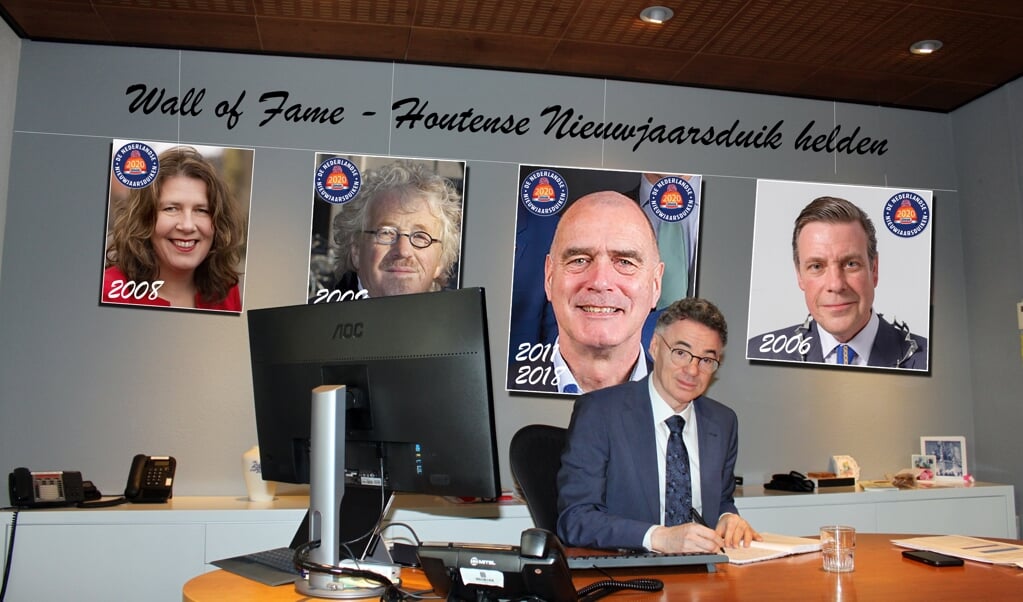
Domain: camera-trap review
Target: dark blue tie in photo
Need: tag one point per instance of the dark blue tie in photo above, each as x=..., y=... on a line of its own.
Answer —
x=678, y=490
x=845, y=354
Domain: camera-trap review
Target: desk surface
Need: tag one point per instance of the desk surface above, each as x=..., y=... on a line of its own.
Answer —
x=881, y=573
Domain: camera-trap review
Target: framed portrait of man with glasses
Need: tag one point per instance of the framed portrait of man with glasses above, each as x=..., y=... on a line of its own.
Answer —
x=384, y=226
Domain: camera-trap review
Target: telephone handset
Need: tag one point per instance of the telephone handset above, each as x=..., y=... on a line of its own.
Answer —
x=45, y=489
x=150, y=479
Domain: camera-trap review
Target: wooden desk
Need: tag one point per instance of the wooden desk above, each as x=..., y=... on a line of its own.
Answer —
x=222, y=586
x=881, y=574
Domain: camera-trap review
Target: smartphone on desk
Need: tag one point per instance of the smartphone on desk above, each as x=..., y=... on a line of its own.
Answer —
x=932, y=558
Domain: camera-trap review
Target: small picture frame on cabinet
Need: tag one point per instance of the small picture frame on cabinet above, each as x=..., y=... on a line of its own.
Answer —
x=949, y=457
x=923, y=466
x=845, y=466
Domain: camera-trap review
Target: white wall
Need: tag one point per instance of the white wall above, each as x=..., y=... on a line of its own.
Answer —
x=85, y=387
x=988, y=136
x=10, y=53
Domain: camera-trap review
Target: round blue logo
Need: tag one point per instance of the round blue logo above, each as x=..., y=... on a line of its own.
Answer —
x=672, y=198
x=906, y=214
x=544, y=192
x=135, y=165
x=338, y=180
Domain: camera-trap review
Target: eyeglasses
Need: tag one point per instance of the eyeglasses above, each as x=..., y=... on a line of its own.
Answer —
x=389, y=236
x=682, y=358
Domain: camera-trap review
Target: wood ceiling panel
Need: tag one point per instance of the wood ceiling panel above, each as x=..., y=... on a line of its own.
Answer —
x=223, y=7
x=939, y=96
x=871, y=87
x=808, y=33
x=478, y=49
x=377, y=12
x=540, y=18
x=852, y=50
x=618, y=23
x=46, y=19
x=626, y=62
x=743, y=74
x=332, y=39
x=182, y=28
x=977, y=48
x=998, y=8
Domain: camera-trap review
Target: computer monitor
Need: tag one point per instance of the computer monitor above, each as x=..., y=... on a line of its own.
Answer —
x=416, y=368
x=393, y=393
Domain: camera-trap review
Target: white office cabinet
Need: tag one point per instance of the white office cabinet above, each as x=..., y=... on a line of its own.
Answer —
x=983, y=510
x=137, y=551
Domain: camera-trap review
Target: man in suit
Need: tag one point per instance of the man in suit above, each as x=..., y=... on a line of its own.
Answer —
x=834, y=247
x=646, y=462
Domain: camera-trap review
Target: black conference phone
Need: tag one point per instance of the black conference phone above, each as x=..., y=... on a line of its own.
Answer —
x=150, y=479
x=45, y=489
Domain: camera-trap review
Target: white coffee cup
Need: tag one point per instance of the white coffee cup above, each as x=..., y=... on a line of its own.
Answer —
x=258, y=489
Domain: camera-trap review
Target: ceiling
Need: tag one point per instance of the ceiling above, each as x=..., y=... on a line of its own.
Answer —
x=847, y=50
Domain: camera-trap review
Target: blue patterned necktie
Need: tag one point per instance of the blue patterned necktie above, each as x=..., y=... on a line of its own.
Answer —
x=844, y=354
x=678, y=490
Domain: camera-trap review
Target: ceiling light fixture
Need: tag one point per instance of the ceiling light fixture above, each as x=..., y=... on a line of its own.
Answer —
x=925, y=47
x=656, y=14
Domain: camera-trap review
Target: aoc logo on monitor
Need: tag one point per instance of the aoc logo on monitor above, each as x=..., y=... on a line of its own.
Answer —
x=348, y=330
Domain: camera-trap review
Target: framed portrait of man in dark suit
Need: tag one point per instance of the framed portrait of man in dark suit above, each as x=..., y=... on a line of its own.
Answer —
x=841, y=275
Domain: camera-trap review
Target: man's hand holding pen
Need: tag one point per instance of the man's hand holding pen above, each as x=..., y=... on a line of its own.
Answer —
x=699, y=520
x=693, y=536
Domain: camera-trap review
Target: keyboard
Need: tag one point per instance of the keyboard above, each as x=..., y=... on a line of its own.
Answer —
x=643, y=560
x=272, y=567
x=278, y=558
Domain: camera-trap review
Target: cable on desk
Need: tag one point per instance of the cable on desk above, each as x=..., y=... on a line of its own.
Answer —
x=10, y=555
x=302, y=562
x=415, y=536
x=595, y=591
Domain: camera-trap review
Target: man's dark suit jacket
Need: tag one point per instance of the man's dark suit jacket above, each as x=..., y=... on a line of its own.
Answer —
x=894, y=346
x=608, y=485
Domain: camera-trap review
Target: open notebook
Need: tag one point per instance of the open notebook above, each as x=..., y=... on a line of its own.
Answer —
x=773, y=546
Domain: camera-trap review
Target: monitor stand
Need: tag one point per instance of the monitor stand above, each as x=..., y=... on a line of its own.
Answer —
x=326, y=490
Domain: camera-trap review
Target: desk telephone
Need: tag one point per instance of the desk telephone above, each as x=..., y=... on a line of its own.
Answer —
x=150, y=479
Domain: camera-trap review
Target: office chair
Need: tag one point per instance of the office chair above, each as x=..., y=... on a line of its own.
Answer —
x=535, y=454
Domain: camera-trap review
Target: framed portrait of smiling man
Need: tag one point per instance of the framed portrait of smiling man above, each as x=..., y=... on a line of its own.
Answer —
x=598, y=254
x=841, y=275
x=177, y=229
x=384, y=226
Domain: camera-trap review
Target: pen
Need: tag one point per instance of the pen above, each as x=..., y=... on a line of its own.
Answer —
x=699, y=520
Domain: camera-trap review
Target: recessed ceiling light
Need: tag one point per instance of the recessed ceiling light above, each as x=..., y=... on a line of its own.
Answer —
x=925, y=46
x=656, y=14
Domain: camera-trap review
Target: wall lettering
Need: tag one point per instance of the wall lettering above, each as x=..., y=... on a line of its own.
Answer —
x=557, y=121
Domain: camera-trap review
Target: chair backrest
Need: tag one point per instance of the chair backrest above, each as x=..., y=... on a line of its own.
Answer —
x=535, y=454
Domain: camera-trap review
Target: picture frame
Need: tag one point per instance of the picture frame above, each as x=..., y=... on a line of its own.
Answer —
x=923, y=466
x=845, y=466
x=949, y=455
